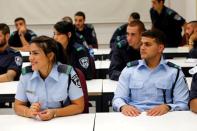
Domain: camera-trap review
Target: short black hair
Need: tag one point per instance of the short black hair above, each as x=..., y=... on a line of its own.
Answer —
x=139, y=24
x=64, y=27
x=19, y=18
x=4, y=28
x=67, y=19
x=156, y=34
x=80, y=13
x=49, y=45
x=135, y=15
x=161, y=0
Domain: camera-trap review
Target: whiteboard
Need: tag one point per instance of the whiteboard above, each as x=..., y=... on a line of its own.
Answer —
x=51, y=11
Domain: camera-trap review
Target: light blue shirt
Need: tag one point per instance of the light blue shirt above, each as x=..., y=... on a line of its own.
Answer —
x=49, y=92
x=144, y=88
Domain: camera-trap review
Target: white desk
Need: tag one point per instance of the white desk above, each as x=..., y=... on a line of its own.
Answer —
x=26, y=64
x=98, y=64
x=82, y=122
x=172, y=121
x=24, y=54
x=176, y=50
x=183, y=62
x=102, y=51
x=109, y=86
x=94, y=86
x=8, y=87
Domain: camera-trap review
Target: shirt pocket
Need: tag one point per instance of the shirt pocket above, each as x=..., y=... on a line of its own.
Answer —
x=136, y=89
x=58, y=96
x=162, y=89
x=31, y=96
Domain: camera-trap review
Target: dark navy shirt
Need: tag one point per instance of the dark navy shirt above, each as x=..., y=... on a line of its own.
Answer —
x=193, y=92
x=15, y=41
x=89, y=35
x=10, y=59
x=120, y=31
x=170, y=22
x=78, y=56
x=120, y=56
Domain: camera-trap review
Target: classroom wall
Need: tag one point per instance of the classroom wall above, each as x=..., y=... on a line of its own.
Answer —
x=186, y=8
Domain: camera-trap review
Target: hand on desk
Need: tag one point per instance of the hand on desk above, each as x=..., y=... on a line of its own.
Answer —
x=158, y=110
x=129, y=110
x=35, y=112
x=46, y=114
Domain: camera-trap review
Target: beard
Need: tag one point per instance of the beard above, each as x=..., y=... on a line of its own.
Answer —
x=3, y=43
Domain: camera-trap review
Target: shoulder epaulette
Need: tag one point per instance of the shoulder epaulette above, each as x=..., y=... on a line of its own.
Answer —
x=90, y=26
x=122, y=26
x=79, y=35
x=169, y=11
x=63, y=68
x=132, y=63
x=26, y=70
x=13, y=50
x=78, y=47
x=170, y=64
x=121, y=44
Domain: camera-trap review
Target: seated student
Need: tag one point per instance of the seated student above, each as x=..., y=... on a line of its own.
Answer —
x=46, y=85
x=193, y=94
x=127, y=49
x=151, y=84
x=20, y=38
x=80, y=38
x=121, y=31
x=86, y=30
x=76, y=54
x=10, y=59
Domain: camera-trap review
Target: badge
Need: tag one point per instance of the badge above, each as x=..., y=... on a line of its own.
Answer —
x=84, y=62
x=177, y=17
x=18, y=60
x=76, y=81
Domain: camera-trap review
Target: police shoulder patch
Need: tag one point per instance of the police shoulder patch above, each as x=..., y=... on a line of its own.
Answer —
x=84, y=62
x=90, y=26
x=27, y=69
x=121, y=44
x=18, y=60
x=76, y=81
x=170, y=64
x=132, y=63
x=63, y=68
x=78, y=47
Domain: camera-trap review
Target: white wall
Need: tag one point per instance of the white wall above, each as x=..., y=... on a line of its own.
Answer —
x=186, y=8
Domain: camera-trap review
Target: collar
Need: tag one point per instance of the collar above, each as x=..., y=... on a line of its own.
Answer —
x=162, y=64
x=53, y=74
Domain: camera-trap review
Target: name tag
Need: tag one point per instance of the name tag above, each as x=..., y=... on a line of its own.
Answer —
x=30, y=92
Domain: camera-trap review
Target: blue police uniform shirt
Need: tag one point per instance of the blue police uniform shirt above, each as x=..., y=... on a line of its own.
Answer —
x=10, y=59
x=143, y=87
x=51, y=91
